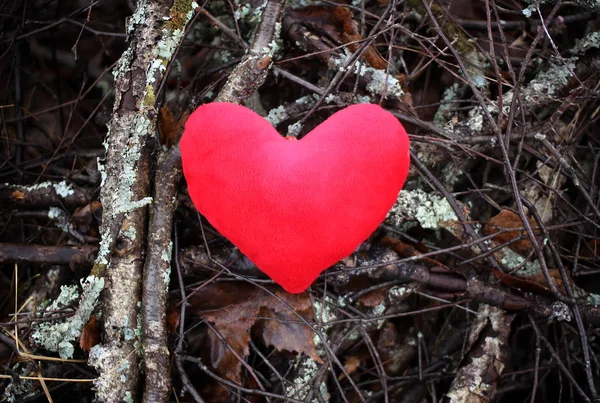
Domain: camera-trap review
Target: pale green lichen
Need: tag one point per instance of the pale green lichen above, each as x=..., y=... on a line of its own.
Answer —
x=59, y=217
x=546, y=86
x=149, y=97
x=429, y=210
x=512, y=260
x=19, y=389
x=377, y=311
x=277, y=115
x=130, y=232
x=451, y=93
x=306, y=370
x=294, y=130
x=324, y=313
x=397, y=292
x=257, y=14
x=477, y=63
x=549, y=82
x=166, y=256
x=63, y=189
x=138, y=17
x=593, y=299
x=61, y=336
x=242, y=11
x=590, y=41
x=330, y=98
x=528, y=12
x=379, y=82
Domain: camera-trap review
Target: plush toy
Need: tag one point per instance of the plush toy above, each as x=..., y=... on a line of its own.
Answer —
x=294, y=208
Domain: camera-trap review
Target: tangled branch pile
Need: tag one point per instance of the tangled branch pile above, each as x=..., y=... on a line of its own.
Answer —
x=483, y=282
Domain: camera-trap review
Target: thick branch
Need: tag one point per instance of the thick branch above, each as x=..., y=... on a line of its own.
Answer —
x=155, y=32
x=250, y=74
x=157, y=272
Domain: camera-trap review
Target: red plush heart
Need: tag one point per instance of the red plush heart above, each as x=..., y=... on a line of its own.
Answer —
x=294, y=208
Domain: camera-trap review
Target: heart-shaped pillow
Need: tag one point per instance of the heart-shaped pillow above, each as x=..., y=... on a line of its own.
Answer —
x=294, y=208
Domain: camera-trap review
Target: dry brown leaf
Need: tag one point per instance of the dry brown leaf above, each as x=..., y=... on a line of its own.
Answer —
x=83, y=217
x=343, y=17
x=374, y=297
x=535, y=283
x=351, y=364
x=17, y=195
x=170, y=130
x=341, y=26
x=522, y=283
x=172, y=322
x=90, y=335
x=234, y=309
x=507, y=219
x=285, y=331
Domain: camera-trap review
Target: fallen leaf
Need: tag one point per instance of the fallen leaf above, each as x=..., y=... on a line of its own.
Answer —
x=90, y=335
x=17, y=195
x=374, y=297
x=535, y=283
x=169, y=129
x=507, y=219
x=351, y=364
x=234, y=309
x=343, y=17
x=172, y=322
x=284, y=330
x=83, y=217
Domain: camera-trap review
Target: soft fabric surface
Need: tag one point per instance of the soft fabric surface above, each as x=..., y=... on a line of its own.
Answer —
x=294, y=208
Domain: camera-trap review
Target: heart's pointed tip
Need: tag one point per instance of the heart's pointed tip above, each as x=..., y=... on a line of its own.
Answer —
x=294, y=289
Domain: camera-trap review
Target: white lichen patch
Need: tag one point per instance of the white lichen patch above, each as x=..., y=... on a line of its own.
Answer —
x=324, y=313
x=18, y=388
x=363, y=99
x=277, y=115
x=545, y=86
x=242, y=11
x=397, y=293
x=428, y=209
x=130, y=232
x=121, y=198
x=590, y=41
x=54, y=212
x=305, y=100
x=450, y=94
x=548, y=83
x=59, y=217
x=379, y=82
x=61, y=336
x=477, y=63
x=306, y=370
x=63, y=189
x=377, y=311
x=527, y=12
x=512, y=260
x=138, y=17
x=294, y=130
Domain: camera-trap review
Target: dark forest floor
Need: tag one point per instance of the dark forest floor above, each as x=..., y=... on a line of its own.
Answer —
x=482, y=284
